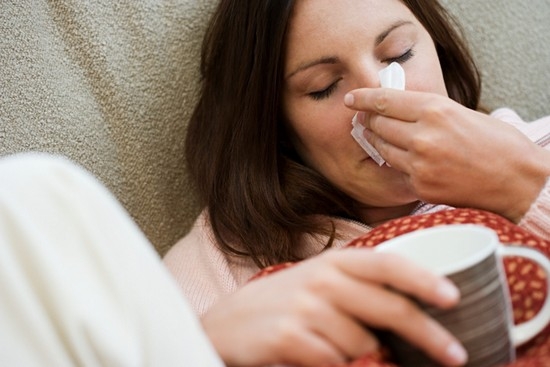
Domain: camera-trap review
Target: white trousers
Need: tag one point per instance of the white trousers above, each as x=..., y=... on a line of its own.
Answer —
x=80, y=285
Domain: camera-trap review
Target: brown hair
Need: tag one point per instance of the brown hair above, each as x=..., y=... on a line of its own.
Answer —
x=260, y=196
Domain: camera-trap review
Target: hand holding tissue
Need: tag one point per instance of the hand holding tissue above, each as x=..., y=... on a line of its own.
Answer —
x=392, y=76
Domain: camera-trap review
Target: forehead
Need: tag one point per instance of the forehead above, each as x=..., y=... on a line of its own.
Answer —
x=323, y=20
x=322, y=28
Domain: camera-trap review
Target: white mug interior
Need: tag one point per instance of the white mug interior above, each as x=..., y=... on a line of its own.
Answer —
x=445, y=249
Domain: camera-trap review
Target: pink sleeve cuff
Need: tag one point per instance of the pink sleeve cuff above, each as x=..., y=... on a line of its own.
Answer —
x=537, y=218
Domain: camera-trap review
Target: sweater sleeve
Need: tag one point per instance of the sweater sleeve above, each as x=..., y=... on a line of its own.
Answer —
x=204, y=272
x=537, y=218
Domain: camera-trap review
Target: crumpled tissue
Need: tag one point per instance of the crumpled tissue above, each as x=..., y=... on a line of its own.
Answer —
x=392, y=76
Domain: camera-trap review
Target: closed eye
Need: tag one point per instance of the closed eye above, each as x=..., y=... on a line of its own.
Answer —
x=325, y=93
x=401, y=59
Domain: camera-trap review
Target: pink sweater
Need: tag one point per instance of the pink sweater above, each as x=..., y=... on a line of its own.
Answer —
x=205, y=273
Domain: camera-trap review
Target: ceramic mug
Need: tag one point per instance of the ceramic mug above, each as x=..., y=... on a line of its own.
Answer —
x=470, y=256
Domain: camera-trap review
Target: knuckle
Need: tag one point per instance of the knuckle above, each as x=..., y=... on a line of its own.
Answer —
x=424, y=175
x=289, y=335
x=322, y=282
x=437, y=110
x=381, y=101
x=285, y=335
x=307, y=307
x=373, y=122
x=401, y=309
x=423, y=186
x=424, y=145
x=420, y=172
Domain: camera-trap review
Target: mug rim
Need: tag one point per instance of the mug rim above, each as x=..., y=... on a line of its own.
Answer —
x=488, y=247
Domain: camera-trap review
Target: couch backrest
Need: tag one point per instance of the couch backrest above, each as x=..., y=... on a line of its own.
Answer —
x=510, y=42
x=111, y=84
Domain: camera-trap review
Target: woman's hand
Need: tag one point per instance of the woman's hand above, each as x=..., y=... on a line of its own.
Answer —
x=317, y=312
x=451, y=154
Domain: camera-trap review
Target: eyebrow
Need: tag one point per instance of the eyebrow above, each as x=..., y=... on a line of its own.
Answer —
x=323, y=60
x=382, y=36
x=331, y=60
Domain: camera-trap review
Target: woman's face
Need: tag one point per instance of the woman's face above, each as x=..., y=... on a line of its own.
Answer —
x=334, y=47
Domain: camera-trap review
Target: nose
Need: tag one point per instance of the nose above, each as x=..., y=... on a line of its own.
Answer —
x=365, y=75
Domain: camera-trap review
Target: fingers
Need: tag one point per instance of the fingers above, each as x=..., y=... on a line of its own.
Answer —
x=406, y=126
x=390, y=130
x=388, y=310
x=323, y=335
x=402, y=105
x=381, y=307
x=390, y=150
x=279, y=320
x=256, y=326
x=397, y=272
x=298, y=347
x=390, y=136
x=348, y=336
x=319, y=312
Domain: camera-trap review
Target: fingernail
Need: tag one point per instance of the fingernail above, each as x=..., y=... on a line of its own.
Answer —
x=448, y=291
x=349, y=99
x=361, y=117
x=457, y=354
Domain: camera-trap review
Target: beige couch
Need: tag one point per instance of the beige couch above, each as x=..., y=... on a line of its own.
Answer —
x=111, y=84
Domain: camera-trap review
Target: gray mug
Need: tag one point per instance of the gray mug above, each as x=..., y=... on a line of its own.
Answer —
x=470, y=256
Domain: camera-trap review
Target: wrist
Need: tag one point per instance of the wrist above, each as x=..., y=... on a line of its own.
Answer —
x=529, y=179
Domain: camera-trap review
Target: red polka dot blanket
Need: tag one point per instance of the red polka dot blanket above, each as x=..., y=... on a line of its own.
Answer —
x=526, y=281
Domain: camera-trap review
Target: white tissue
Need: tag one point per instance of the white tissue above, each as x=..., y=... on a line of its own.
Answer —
x=392, y=76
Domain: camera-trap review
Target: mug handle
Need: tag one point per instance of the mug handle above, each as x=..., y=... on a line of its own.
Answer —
x=527, y=330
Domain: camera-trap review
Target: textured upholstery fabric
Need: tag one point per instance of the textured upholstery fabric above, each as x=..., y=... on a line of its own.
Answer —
x=111, y=84
x=510, y=43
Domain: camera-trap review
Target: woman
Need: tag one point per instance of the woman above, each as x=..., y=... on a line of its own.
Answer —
x=280, y=175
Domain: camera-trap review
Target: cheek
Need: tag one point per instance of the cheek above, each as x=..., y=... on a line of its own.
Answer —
x=426, y=74
x=321, y=131
x=427, y=82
